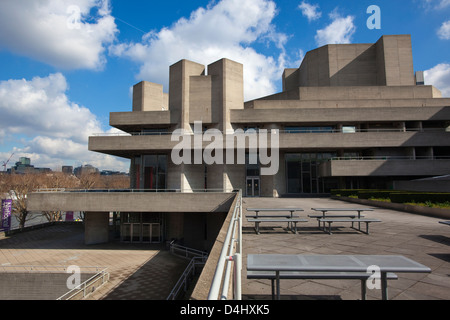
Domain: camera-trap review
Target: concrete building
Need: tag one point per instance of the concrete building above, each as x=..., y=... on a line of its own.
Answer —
x=351, y=116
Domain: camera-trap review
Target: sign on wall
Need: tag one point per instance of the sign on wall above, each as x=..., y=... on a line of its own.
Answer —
x=6, y=214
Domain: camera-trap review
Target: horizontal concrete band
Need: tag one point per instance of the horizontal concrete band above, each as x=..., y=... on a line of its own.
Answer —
x=130, y=201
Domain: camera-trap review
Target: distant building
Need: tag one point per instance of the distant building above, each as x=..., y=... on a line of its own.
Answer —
x=86, y=169
x=24, y=166
x=67, y=169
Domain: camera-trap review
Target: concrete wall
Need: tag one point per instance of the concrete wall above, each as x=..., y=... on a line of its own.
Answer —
x=380, y=168
x=96, y=227
x=179, y=93
x=149, y=96
x=129, y=202
x=335, y=115
x=35, y=285
x=388, y=62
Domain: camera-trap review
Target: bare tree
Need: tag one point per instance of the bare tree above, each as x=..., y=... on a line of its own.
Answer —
x=56, y=180
x=19, y=186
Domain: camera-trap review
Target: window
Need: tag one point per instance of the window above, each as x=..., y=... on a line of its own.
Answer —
x=308, y=129
x=152, y=173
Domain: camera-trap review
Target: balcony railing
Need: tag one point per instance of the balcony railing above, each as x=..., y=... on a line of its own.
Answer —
x=390, y=158
x=288, y=131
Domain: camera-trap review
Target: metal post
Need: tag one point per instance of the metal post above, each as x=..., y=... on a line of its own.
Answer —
x=237, y=276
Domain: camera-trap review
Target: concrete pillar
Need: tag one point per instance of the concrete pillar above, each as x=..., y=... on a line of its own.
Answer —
x=179, y=93
x=96, y=227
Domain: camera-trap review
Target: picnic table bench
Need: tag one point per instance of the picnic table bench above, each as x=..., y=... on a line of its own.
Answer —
x=324, y=218
x=352, y=220
x=292, y=275
x=333, y=264
x=257, y=210
x=289, y=218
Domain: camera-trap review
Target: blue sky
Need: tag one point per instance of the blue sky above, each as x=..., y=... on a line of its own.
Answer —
x=66, y=64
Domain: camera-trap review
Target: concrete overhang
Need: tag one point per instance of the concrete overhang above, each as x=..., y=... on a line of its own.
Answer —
x=363, y=168
x=130, y=201
x=129, y=146
x=137, y=120
x=305, y=116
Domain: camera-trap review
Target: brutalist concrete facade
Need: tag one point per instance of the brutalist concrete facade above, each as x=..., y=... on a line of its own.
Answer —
x=351, y=116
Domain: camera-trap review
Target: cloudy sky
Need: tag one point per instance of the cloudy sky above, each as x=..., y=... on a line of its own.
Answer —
x=66, y=64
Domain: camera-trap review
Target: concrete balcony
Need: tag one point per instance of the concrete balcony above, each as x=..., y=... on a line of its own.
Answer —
x=364, y=168
x=130, y=145
x=137, y=120
x=374, y=139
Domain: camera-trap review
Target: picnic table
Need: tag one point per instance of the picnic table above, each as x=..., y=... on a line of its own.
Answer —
x=257, y=210
x=291, y=219
x=324, y=218
x=325, y=264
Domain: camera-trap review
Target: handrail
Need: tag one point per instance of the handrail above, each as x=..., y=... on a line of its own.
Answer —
x=60, y=190
x=287, y=131
x=234, y=235
x=199, y=258
x=190, y=269
x=187, y=251
x=433, y=158
x=82, y=288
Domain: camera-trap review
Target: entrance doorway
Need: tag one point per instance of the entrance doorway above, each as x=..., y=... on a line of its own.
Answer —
x=141, y=227
x=253, y=187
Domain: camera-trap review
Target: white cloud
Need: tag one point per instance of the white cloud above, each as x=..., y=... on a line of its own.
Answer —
x=439, y=76
x=69, y=34
x=436, y=4
x=51, y=130
x=444, y=31
x=340, y=31
x=311, y=11
x=222, y=30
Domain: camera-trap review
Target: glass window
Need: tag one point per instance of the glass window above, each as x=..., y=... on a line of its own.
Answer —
x=348, y=129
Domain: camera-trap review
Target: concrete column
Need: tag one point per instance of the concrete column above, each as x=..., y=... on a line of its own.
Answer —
x=96, y=227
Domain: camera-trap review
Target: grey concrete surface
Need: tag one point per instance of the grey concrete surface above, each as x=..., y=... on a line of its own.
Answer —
x=417, y=237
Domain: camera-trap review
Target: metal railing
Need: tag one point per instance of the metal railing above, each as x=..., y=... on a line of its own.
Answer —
x=81, y=291
x=285, y=131
x=230, y=257
x=61, y=190
x=87, y=287
x=391, y=158
x=186, y=252
x=197, y=257
x=186, y=278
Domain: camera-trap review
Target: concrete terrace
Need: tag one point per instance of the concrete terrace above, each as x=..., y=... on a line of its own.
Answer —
x=420, y=238
x=144, y=271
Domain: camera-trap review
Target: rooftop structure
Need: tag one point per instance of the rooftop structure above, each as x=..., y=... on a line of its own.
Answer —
x=351, y=116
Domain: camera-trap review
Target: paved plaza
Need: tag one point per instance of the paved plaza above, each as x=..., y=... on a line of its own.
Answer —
x=145, y=271
x=419, y=238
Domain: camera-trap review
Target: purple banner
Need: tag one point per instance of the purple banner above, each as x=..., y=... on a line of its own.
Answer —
x=6, y=214
x=69, y=216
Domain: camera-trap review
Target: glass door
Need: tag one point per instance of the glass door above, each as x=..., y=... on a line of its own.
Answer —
x=253, y=188
x=155, y=233
x=136, y=232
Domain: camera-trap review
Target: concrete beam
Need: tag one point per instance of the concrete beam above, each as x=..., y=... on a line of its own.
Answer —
x=130, y=201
